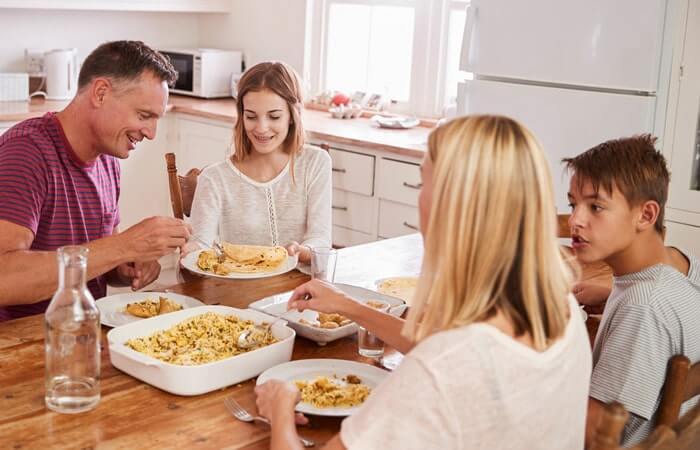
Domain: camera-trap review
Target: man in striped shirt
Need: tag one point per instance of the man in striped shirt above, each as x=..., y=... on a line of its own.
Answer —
x=59, y=182
x=617, y=193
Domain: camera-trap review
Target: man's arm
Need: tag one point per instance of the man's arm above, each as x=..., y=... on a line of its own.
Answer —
x=29, y=276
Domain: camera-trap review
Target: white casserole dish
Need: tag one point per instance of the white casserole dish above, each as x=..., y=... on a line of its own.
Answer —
x=276, y=305
x=195, y=380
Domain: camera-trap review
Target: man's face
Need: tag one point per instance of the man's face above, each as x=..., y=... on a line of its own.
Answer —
x=128, y=113
x=602, y=224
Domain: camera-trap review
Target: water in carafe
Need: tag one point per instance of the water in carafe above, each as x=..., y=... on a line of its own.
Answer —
x=72, y=331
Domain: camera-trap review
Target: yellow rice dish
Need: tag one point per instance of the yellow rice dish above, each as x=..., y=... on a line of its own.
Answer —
x=242, y=259
x=199, y=340
x=333, y=392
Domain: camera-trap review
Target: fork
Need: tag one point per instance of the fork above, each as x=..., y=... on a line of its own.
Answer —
x=216, y=245
x=241, y=414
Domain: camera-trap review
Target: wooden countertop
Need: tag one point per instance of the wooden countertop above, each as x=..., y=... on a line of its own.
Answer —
x=319, y=125
x=132, y=414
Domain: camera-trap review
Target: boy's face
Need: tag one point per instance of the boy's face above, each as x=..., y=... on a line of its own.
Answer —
x=602, y=224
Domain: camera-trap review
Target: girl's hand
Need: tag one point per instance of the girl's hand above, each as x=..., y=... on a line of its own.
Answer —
x=304, y=252
x=322, y=297
x=277, y=399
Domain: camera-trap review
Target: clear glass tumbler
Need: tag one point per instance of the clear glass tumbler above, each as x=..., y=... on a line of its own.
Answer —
x=323, y=262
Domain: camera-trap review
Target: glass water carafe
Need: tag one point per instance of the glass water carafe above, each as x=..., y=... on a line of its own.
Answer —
x=72, y=329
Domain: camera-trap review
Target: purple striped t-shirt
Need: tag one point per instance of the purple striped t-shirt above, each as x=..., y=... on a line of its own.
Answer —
x=46, y=188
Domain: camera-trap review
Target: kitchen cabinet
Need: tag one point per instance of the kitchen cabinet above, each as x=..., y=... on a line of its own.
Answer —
x=196, y=6
x=198, y=142
x=375, y=194
x=683, y=210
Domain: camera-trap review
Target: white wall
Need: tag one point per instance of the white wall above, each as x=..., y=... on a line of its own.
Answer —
x=85, y=30
x=263, y=29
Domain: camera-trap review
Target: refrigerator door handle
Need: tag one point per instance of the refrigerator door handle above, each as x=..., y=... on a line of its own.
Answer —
x=469, y=25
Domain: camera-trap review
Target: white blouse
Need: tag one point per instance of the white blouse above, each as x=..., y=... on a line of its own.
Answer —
x=476, y=388
x=235, y=208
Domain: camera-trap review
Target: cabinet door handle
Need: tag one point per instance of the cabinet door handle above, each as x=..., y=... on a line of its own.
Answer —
x=408, y=225
x=335, y=169
x=340, y=208
x=412, y=186
x=325, y=146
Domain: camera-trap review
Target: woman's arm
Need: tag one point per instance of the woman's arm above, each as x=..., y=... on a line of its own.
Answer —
x=325, y=297
x=206, y=210
x=318, y=203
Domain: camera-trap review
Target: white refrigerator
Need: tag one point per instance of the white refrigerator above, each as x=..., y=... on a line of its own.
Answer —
x=574, y=72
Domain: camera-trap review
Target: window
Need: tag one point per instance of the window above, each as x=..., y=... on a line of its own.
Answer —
x=405, y=50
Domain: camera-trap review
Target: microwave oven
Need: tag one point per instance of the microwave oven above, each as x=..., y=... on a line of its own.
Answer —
x=204, y=72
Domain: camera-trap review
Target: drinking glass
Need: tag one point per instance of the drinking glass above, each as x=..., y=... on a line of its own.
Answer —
x=323, y=261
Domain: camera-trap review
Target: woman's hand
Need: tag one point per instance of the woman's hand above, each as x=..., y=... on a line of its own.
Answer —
x=276, y=400
x=303, y=251
x=322, y=297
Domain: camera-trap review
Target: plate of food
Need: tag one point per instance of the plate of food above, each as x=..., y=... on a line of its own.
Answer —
x=323, y=328
x=120, y=309
x=399, y=287
x=240, y=261
x=329, y=387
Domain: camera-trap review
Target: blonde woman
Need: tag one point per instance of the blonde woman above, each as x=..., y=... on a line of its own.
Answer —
x=500, y=356
x=273, y=190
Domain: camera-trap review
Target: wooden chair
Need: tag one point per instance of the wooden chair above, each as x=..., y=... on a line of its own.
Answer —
x=181, y=188
x=685, y=435
x=563, y=226
x=682, y=384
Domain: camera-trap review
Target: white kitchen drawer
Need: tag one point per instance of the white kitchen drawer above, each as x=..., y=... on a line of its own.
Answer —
x=354, y=211
x=396, y=219
x=399, y=181
x=353, y=172
x=343, y=237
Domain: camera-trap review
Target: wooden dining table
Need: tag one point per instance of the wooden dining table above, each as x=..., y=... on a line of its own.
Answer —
x=134, y=415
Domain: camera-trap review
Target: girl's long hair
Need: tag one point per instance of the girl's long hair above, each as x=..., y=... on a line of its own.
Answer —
x=491, y=239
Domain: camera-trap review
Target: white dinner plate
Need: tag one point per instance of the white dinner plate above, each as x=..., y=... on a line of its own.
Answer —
x=189, y=262
x=309, y=369
x=113, y=308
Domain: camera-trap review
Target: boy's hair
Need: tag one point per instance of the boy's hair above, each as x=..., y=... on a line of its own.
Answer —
x=125, y=61
x=632, y=165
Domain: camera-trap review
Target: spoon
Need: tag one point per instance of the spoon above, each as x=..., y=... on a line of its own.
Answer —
x=244, y=339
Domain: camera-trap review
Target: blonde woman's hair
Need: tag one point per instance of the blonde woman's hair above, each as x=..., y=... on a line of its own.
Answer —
x=281, y=79
x=490, y=242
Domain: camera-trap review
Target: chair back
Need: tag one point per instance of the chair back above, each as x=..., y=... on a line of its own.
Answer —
x=563, y=230
x=181, y=187
x=682, y=383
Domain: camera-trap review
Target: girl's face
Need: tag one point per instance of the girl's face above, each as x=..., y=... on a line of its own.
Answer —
x=266, y=120
x=425, y=198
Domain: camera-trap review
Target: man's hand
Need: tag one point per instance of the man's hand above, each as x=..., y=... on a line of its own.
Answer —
x=592, y=296
x=139, y=274
x=154, y=237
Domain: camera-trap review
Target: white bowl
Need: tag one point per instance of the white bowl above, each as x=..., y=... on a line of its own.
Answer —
x=203, y=378
x=276, y=305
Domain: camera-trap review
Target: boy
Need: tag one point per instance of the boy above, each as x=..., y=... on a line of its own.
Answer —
x=617, y=193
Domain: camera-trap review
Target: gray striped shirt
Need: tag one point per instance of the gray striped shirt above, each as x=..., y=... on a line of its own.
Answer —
x=650, y=316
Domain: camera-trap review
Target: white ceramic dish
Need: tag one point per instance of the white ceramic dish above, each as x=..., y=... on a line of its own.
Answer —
x=276, y=305
x=395, y=122
x=309, y=369
x=113, y=308
x=189, y=262
x=195, y=380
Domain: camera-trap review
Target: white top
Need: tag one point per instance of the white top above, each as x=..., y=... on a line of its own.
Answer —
x=235, y=208
x=476, y=388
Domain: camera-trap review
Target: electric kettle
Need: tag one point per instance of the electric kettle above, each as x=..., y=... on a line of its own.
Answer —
x=61, y=66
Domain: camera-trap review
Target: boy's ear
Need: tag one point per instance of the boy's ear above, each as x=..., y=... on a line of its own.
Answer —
x=649, y=214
